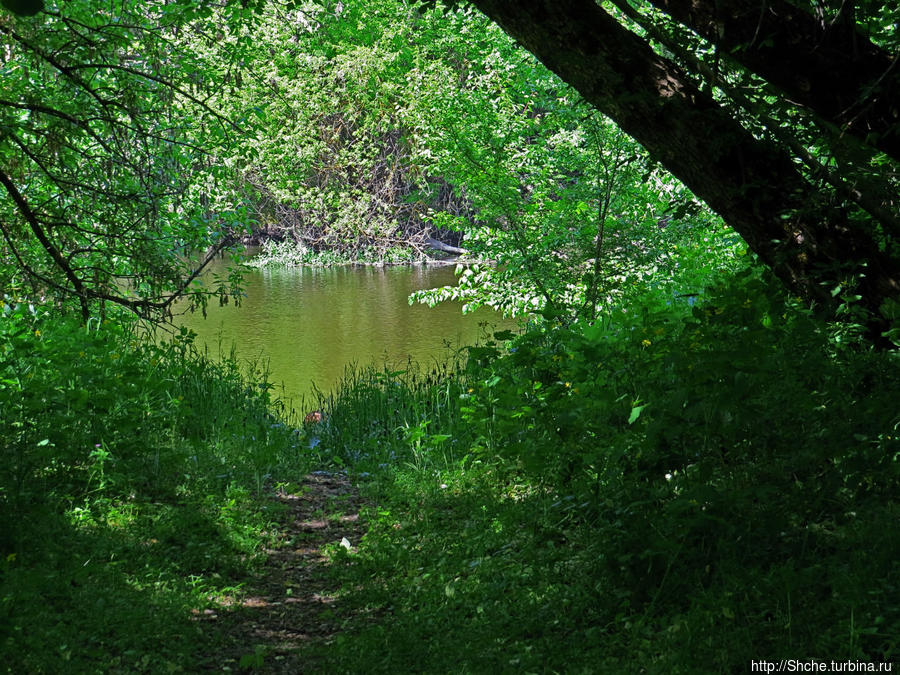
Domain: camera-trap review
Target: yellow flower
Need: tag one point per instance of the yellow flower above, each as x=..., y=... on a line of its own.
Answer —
x=37, y=333
x=646, y=343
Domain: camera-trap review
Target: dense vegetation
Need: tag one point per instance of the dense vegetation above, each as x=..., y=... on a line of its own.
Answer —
x=723, y=486
x=688, y=458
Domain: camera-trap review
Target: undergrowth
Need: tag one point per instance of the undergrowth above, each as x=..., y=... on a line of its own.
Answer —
x=291, y=254
x=127, y=493
x=682, y=489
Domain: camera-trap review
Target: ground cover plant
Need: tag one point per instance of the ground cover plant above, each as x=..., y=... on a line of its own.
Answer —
x=721, y=486
x=528, y=511
x=127, y=493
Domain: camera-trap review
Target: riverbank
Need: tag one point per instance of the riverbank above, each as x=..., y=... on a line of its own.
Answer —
x=285, y=253
x=128, y=493
x=575, y=499
x=535, y=517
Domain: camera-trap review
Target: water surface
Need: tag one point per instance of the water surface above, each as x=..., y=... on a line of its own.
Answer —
x=311, y=323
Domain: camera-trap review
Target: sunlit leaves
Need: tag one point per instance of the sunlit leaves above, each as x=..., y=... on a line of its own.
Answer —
x=106, y=136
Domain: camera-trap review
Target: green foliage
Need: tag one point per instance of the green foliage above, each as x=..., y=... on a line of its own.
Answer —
x=77, y=397
x=572, y=214
x=292, y=254
x=126, y=492
x=376, y=128
x=383, y=417
x=326, y=151
x=110, y=191
x=684, y=488
x=673, y=468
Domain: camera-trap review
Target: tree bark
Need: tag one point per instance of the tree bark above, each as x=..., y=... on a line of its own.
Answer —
x=832, y=69
x=752, y=184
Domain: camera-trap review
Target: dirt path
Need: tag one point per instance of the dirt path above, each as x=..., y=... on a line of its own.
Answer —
x=289, y=603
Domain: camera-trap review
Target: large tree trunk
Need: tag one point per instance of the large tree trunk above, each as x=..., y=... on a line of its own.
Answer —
x=832, y=69
x=752, y=184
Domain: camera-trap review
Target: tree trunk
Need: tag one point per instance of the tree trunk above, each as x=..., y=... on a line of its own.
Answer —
x=752, y=184
x=833, y=70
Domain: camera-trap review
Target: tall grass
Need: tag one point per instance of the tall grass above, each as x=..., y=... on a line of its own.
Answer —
x=379, y=416
x=127, y=493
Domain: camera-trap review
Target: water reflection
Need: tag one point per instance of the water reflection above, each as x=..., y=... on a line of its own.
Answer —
x=311, y=323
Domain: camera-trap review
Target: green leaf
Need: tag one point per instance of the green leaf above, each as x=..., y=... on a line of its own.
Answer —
x=635, y=413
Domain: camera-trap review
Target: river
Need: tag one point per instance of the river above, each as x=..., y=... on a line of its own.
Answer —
x=310, y=324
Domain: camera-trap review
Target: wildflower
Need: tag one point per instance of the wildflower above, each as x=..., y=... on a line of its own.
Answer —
x=646, y=343
x=37, y=333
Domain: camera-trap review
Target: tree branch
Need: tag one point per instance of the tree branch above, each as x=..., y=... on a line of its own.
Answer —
x=752, y=184
x=840, y=75
x=35, y=226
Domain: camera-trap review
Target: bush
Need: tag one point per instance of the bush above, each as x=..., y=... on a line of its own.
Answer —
x=125, y=492
x=687, y=488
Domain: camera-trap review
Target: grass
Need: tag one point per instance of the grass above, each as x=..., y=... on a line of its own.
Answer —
x=112, y=587
x=129, y=497
x=685, y=490
x=729, y=521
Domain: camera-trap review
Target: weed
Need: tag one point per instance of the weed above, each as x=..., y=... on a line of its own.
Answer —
x=128, y=493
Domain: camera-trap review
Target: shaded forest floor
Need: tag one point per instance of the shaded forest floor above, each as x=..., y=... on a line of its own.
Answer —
x=289, y=603
x=674, y=494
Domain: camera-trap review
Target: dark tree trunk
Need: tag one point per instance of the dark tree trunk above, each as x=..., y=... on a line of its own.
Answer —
x=752, y=184
x=832, y=69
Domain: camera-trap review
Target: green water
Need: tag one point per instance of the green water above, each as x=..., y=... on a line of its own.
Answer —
x=310, y=324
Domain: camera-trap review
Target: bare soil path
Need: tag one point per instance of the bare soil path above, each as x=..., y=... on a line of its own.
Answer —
x=289, y=603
